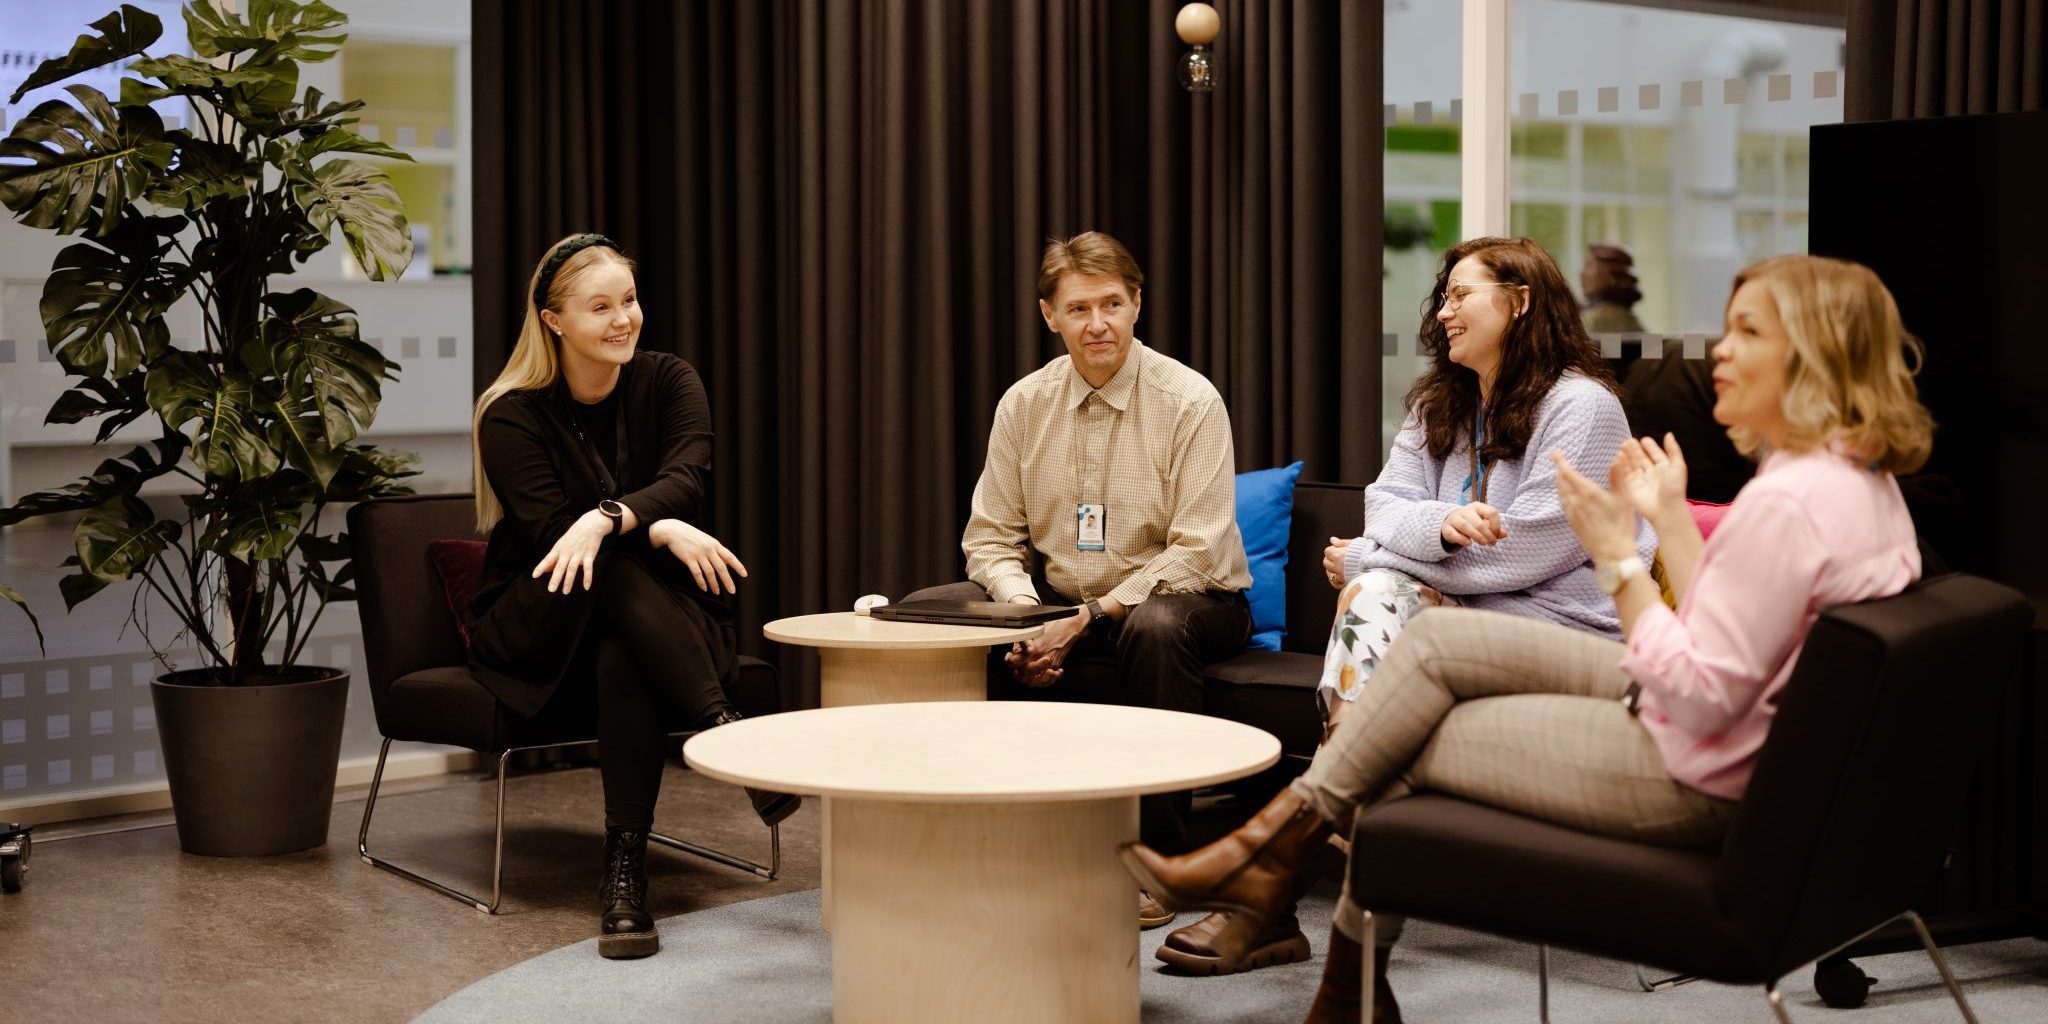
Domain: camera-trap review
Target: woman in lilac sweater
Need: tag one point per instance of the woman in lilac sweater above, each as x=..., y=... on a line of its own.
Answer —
x=1651, y=739
x=1465, y=511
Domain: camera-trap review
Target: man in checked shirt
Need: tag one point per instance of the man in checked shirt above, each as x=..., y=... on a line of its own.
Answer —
x=1110, y=486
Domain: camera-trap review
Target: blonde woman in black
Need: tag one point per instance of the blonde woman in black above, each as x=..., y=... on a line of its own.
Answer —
x=593, y=461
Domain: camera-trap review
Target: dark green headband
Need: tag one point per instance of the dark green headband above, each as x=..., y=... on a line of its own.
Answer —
x=558, y=257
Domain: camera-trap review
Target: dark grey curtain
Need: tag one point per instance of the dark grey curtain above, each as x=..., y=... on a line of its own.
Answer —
x=1941, y=58
x=838, y=208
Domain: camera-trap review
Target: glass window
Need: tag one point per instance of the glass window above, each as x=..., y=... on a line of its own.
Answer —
x=1679, y=136
x=1423, y=55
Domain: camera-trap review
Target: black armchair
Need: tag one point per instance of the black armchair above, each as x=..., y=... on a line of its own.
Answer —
x=1843, y=829
x=420, y=683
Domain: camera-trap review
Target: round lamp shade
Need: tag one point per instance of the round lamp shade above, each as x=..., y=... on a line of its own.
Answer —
x=1198, y=24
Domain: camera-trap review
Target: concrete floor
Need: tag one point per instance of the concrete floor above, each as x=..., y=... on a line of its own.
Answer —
x=121, y=925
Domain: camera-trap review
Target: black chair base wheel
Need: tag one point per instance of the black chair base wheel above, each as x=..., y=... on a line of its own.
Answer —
x=1841, y=983
x=14, y=849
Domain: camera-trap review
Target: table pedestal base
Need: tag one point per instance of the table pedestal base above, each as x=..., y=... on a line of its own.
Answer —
x=993, y=913
x=853, y=675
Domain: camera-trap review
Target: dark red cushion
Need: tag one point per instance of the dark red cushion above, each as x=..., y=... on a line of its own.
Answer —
x=459, y=562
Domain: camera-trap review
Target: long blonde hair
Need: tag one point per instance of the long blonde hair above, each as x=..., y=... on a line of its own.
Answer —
x=1848, y=377
x=536, y=361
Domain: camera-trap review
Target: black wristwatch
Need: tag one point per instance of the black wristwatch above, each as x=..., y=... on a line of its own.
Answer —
x=1094, y=612
x=615, y=512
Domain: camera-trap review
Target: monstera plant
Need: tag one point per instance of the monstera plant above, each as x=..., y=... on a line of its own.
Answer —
x=260, y=415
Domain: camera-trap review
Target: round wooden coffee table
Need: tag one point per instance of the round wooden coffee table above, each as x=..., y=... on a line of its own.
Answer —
x=974, y=864
x=874, y=661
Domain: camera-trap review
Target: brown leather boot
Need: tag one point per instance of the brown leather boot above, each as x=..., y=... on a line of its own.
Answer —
x=1250, y=871
x=1192, y=950
x=1342, y=990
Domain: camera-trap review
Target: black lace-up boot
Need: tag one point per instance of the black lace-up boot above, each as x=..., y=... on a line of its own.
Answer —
x=772, y=807
x=625, y=930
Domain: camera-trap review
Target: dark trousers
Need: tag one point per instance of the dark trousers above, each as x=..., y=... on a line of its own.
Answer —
x=658, y=664
x=1152, y=658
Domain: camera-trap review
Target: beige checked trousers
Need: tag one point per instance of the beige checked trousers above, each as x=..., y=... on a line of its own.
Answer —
x=1512, y=712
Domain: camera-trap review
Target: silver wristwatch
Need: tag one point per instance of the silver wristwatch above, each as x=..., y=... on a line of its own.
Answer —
x=1610, y=577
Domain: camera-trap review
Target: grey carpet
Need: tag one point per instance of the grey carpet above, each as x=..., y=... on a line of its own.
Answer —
x=766, y=962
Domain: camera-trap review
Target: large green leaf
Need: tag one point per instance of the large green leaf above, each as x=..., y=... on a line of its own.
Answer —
x=371, y=472
x=273, y=29
x=104, y=304
x=323, y=128
x=113, y=478
x=204, y=171
x=252, y=531
x=361, y=198
x=252, y=91
x=228, y=437
x=114, y=541
x=15, y=596
x=183, y=73
x=62, y=164
x=122, y=401
x=123, y=34
x=311, y=346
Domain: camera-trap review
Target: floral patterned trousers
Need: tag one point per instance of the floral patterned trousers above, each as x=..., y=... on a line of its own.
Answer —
x=1371, y=612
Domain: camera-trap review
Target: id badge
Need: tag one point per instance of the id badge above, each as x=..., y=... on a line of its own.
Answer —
x=1091, y=524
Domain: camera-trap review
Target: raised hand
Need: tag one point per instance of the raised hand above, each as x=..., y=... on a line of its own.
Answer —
x=1650, y=477
x=1604, y=522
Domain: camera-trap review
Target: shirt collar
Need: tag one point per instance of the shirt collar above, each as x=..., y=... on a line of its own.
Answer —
x=1120, y=388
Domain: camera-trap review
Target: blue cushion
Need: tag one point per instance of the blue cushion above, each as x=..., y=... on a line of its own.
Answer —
x=1265, y=512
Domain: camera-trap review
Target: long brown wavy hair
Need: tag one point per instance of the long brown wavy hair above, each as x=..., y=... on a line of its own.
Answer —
x=1540, y=345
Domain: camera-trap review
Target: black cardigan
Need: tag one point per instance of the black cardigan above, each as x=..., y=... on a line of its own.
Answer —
x=523, y=639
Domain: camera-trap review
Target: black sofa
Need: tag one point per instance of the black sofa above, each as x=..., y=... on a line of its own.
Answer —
x=1275, y=690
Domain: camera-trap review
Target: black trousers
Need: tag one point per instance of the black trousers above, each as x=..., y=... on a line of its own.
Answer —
x=1152, y=658
x=659, y=662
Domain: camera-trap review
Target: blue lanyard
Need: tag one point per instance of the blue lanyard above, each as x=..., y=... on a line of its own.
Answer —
x=1478, y=473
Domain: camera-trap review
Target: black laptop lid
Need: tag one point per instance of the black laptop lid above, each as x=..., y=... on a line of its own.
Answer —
x=972, y=613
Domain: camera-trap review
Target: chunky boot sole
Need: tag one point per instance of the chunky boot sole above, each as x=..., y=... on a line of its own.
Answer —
x=628, y=945
x=1290, y=950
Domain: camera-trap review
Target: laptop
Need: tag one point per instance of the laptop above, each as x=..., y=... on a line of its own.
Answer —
x=999, y=614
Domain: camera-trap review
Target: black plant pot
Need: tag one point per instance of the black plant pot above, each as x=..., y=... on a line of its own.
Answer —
x=251, y=767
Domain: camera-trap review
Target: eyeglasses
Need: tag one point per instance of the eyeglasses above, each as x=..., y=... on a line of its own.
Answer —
x=1456, y=294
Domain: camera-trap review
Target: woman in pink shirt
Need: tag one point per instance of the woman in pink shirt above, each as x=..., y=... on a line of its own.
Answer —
x=1652, y=739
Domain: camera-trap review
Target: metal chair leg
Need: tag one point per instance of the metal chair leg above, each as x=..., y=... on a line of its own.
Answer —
x=1941, y=964
x=1368, y=942
x=1777, y=1004
x=497, y=858
x=1673, y=981
x=767, y=871
x=1543, y=984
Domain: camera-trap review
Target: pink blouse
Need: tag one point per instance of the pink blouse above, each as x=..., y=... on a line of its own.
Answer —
x=1812, y=530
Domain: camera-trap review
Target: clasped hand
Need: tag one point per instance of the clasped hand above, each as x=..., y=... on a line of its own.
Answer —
x=1476, y=523
x=1037, y=662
